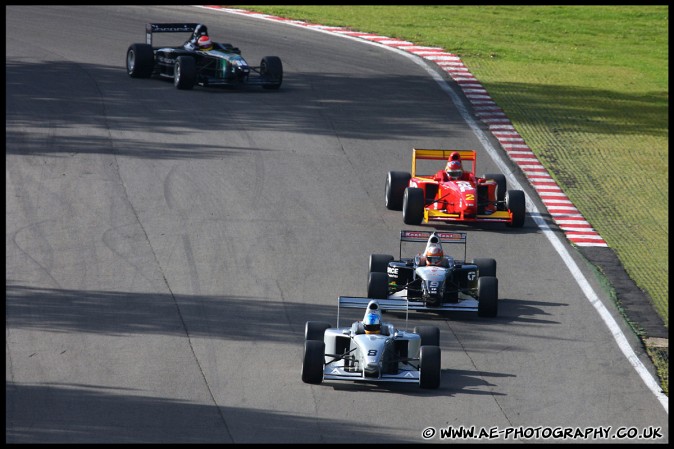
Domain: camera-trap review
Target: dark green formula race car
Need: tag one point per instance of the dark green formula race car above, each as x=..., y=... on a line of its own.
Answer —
x=199, y=61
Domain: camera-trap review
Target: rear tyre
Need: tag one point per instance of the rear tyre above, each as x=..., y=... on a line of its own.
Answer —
x=396, y=183
x=500, y=188
x=516, y=205
x=312, y=363
x=379, y=262
x=271, y=69
x=430, y=335
x=413, y=206
x=486, y=267
x=487, y=296
x=139, y=60
x=430, y=365
x=185, y=73
x=377, y=286
x=315, y=330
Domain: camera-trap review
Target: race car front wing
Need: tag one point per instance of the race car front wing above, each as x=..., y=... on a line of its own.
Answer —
x=502, y=216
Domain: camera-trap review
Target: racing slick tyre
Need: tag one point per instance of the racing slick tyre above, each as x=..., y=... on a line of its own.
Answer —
x=430, y=365
x=486, y=267
x=487, y=296
x=515, y=203
x=185, y=72
x=139, y=60
x=413, y=206
x=271, y=70
x=379, y=262
x=396, y=183
x=500, y=188
x=312, y=363
x=430, y=335
x=315, y=330
x=377, y=286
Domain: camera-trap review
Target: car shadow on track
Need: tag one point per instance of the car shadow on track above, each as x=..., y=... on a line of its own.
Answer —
x=498, y=228
x=452, y=382
x=510, y=311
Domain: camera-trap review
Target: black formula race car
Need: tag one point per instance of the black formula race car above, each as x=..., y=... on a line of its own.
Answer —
x=189, y=65
x=451, y=284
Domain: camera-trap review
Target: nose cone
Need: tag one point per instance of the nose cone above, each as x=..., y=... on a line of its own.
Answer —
x=372, y=370
x=374, y=355
x=371, y=350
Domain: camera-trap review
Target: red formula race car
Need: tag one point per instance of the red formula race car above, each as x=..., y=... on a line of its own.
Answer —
x=453, y=193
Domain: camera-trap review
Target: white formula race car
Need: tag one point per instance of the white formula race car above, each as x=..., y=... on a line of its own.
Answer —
x=361, y=353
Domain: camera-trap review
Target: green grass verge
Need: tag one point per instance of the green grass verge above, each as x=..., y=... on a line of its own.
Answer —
x=585, y=86
x=660, y=357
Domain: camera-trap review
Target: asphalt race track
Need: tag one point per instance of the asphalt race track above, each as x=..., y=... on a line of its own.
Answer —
x=165, y=248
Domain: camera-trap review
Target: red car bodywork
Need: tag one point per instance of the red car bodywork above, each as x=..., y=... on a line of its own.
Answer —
x=435, y=197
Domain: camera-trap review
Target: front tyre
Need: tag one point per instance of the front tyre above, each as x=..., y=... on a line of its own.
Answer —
x=430, y=365
x=515, y=203
x=430, y=335
x=185, y=73
x=486, y=267
x=312, y=362
x=487, y=296
x=413, y=206
x=315, y=330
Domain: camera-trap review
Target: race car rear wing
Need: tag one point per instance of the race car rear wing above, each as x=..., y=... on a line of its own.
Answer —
x=357, y=302
x=168, y=28
x=421, y=153
x=442, y=237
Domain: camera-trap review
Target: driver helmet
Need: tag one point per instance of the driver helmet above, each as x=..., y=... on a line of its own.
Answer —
x=434, y=255
x=372, y=323
x=454, y=169
x=205, y=43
